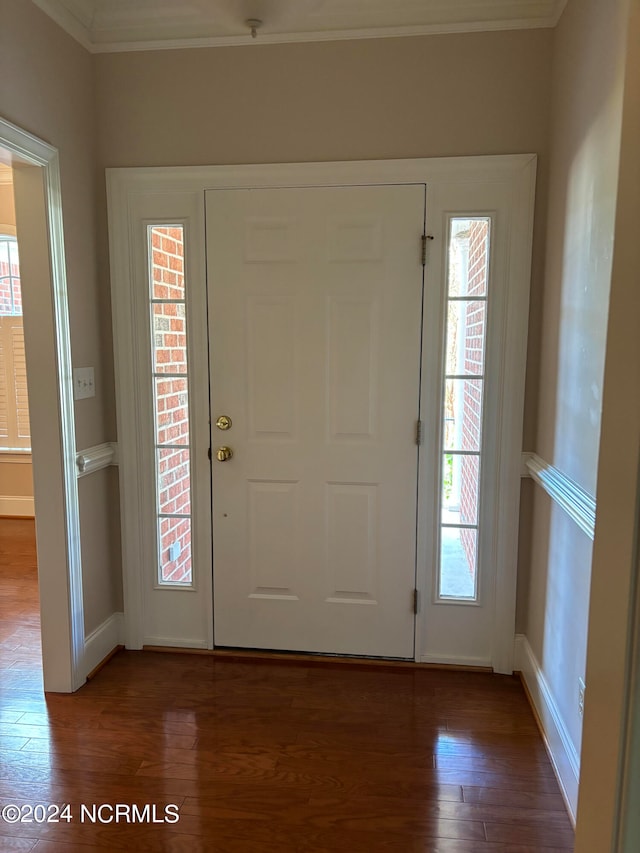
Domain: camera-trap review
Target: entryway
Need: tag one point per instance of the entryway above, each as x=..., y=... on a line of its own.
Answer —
x=331, y=374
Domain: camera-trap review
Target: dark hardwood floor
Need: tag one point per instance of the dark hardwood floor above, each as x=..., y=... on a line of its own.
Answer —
x=267, y=756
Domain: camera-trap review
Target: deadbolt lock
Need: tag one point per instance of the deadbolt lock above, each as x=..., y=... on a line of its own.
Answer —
x=223, y=422
x=224, y=453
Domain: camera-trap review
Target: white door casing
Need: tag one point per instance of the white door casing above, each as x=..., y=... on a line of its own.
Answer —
x=51, y=407
x=499, y=187
x=315, y=299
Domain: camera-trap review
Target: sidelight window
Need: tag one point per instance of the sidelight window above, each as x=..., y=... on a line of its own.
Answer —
x=170, y=371
x=463, y=390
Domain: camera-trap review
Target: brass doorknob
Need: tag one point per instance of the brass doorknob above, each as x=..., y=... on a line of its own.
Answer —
x=224, y=453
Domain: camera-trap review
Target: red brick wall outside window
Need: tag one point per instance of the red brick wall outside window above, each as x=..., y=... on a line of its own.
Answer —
x=472, y=397
x=169, y=345
x=10, y=293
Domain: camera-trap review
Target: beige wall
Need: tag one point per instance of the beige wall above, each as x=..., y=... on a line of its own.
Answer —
x=410, y=97
x=50, y=92
x=585, y=141
x=47, y=88
x=447, y=95
x=16, y=480
x=615, y=565
x=7, y=207
x=102, y=589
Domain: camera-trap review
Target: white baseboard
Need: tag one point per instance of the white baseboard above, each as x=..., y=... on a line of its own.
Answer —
x=456, y=660
x=174, y=643
x=99, y=643
x=20, y=506
x=563, y=754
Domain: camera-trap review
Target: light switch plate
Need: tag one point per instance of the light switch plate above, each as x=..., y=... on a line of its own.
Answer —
x=83, y=383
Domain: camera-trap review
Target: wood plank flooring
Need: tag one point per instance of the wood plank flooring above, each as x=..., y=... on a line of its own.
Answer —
x=266, y=757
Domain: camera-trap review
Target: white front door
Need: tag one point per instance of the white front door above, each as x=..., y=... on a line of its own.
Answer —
x=307, y=335
x=315, y=300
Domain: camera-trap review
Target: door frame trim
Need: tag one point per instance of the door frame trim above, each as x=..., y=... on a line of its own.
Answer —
x=516, y=172
x=53, y=436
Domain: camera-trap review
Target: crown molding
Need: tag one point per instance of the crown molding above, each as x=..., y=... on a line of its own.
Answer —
x=98, y=33
x=77, y=27
x=561, y=6
x=326, y=36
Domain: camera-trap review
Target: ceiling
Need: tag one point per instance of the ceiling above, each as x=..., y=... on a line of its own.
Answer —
x=119, y=25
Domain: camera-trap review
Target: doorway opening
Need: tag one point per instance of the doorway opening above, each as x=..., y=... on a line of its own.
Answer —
x=40, y=351
x=20, y=644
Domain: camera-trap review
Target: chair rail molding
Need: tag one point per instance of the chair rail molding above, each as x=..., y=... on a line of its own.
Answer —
x=574, y=500
x=95, y=458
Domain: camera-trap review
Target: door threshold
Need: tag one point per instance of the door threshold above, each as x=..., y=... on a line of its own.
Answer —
x=314, y=658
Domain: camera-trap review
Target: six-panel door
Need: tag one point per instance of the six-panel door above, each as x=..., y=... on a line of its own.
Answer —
x=315, y=299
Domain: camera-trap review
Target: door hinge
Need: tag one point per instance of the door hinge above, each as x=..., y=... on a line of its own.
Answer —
x=418, y=433
x=416, y=601
x=425, y=237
